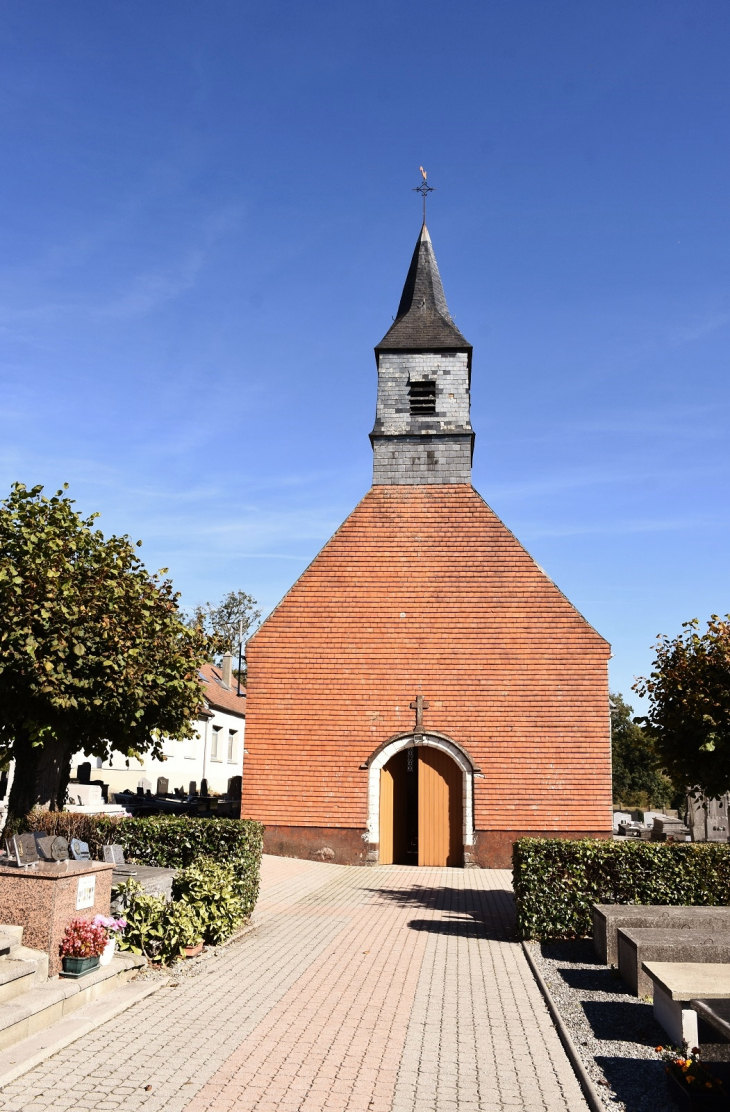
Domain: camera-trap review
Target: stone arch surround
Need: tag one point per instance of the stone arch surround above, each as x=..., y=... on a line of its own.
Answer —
x=436, y=741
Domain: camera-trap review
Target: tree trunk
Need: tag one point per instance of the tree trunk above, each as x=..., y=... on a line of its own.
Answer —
x=41, y=776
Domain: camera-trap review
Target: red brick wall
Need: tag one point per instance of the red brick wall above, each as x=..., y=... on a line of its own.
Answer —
x=423, y=589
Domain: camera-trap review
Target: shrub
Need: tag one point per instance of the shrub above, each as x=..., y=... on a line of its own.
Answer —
x=156, y=927
x=206, y=907
x=212, y=891
x=557, y=881
x=169, y=841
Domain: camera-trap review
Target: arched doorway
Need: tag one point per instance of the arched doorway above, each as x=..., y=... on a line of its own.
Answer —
x=421, y=807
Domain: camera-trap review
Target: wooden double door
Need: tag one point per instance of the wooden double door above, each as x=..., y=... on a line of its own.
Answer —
x=421, y=809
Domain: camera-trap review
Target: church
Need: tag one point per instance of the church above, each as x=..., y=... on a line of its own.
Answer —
x=425, y=694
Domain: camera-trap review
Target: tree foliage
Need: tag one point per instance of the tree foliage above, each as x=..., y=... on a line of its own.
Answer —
x=689, y=696
x=223, y=623
x=637, y=779
x=94, y=654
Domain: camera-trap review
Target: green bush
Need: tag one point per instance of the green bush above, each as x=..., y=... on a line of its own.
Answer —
x=211, y=891
x=557, y=881
x=206, y=906
x=156, y=927
x=170, y=841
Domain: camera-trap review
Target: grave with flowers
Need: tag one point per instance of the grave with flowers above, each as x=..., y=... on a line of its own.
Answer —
x=57, y=936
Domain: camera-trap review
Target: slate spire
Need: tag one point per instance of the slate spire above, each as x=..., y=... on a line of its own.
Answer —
x=423, y=321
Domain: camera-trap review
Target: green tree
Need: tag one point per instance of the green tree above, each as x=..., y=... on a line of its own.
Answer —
x=689, y=706
x=94, y=654
x=223, y=623
x=637, y=779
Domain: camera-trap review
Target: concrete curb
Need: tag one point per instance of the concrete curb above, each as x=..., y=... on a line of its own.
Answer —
x=589, y=1091
x=24, y=1055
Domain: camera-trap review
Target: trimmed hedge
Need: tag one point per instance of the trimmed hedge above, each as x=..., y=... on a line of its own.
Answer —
x=557, y=881
x=173, y=842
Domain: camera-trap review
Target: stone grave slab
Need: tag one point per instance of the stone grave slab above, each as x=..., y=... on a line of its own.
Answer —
x=714, y=1012
x=639, y=944
x=675, y=984
x=607, y=918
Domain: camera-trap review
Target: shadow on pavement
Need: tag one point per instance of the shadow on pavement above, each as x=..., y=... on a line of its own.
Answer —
x=461, y=912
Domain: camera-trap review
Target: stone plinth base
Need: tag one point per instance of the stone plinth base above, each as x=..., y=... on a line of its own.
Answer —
x=346, y=846
x=43, y=898
x=493, y=848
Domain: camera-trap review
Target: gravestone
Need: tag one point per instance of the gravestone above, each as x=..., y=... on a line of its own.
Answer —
x=80, y=850
x=203, y=786
x=144, y=784
x=114, y=854
x=192, y=788
x=86, y=795
x=234, y=787
x=83, y=773
x=163, y=785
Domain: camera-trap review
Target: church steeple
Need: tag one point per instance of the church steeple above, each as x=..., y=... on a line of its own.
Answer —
x=423, y=319
x=422, y=431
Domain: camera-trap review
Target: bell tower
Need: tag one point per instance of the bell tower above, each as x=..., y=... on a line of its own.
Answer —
x=422, y=432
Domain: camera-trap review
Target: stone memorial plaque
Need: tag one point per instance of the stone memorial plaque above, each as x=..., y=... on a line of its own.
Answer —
x=44, y=845
x=114, y=855
x=86, y=892
x=59, y=849
x=25, y=849
x=79, y=850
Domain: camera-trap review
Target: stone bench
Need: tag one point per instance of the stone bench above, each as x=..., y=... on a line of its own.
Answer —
x=640, y=944
x=675, y=985
x=607, y=918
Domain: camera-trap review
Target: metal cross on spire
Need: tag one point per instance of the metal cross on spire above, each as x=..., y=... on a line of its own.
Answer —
x=424, y=189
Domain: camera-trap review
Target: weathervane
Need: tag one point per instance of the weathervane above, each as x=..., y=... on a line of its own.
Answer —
x=424, y=189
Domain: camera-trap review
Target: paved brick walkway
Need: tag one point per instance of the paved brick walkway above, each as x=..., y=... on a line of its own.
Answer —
x=392, y=989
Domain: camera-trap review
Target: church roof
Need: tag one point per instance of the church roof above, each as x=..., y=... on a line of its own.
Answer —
x=423, y=321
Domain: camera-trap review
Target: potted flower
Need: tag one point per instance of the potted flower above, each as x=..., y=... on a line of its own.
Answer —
x=694, y=1086
x=113, y=928
x=81, y=947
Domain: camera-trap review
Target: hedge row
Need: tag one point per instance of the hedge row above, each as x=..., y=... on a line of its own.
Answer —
x=557, y=881
x=173, y=842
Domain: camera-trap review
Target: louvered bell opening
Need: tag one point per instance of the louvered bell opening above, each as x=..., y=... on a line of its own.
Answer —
x=423, y=396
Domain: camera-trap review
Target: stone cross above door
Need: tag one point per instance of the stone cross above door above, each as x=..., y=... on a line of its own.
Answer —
x=419, y=705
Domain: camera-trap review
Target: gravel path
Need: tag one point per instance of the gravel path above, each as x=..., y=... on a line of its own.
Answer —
x=615, y=1032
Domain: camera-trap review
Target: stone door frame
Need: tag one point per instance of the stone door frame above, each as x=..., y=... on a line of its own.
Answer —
x=437, y=741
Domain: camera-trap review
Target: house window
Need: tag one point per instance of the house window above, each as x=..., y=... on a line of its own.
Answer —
x=215, y=752
x=231, y=746
x=423, y=396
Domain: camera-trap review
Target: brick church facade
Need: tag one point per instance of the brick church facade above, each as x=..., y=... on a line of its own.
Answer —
x=424, y=693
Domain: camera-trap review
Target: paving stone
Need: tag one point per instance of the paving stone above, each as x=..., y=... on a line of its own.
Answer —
x=334, y=999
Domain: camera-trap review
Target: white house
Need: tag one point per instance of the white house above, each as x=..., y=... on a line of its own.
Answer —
x=215, y=754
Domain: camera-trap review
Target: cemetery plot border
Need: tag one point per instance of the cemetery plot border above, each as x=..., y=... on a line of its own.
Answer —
x=613, y=1031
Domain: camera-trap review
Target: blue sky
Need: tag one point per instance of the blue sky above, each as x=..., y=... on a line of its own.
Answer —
x=207, y=221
